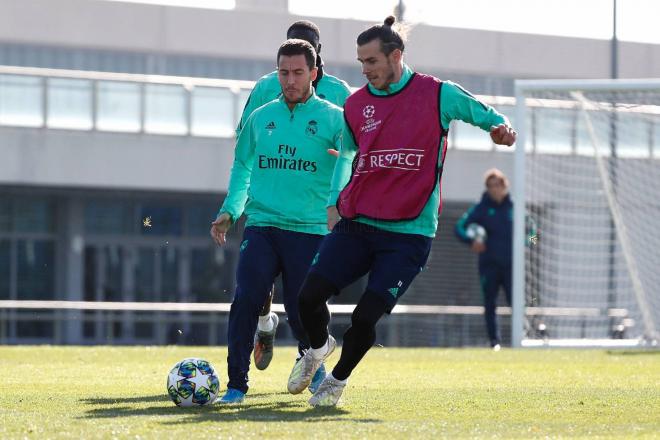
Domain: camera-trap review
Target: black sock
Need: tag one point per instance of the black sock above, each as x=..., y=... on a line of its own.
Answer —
x=360, y=337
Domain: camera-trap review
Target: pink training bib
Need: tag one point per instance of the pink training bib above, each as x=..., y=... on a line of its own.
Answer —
x=398, y=138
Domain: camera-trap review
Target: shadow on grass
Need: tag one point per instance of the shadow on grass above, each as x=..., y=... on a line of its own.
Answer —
x=642, y=351
x=156, y=398
x=267, y=411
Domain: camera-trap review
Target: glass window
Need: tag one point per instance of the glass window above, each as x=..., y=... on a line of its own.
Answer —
x=553, y=131
x=109, y=217
x=90, y=275
x=469, y=137
x=36, y=269
x=5, y=215
x=35, y=328
x=32, y=215
x=114, y=270
x=587, y=143
x=656, y=138
x=243, y=96
x=70, y=103
x=145, y=275
x=118, y=106
x=212, y=112
x=510, y=112
x=144, y=329
x=21, y=101
x=169, y=270
x=89, y=326
x=633, y=134
x=5, y=265
x=165, y=111
x=199, y=218
x=206, y=275
x=164, y=220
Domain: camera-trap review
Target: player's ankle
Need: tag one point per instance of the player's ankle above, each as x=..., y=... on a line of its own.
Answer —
x=266, y=323
x=319, y=353
x=338, y=381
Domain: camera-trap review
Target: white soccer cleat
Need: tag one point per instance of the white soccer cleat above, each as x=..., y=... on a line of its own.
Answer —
x=305, y=369
x=328, y=393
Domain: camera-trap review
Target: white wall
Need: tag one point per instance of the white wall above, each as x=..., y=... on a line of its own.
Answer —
x=256, y=34
x=66, y=158
x=113, y=161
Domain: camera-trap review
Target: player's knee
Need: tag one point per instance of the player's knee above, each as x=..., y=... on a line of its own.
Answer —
x=315, y=291
x=245, y=303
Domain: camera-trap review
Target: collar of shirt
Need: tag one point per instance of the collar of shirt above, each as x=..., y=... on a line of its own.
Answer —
x=393, y=88
x=301, y=105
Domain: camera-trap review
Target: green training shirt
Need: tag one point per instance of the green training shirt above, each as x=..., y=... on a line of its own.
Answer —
x=268, y=88
x=455, y=104
x=282, y=170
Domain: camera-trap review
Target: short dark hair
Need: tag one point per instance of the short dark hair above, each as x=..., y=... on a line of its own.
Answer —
x=390, y=39
x=305, y=30
x=295, y=46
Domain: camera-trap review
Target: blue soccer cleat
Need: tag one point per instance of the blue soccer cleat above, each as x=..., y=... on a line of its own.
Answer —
x=232, y=396
x=317, y=379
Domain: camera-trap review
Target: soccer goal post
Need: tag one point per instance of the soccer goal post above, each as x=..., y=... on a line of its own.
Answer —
x=587, y=166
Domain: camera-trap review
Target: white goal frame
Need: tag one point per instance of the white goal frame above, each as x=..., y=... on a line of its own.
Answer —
x=518, y=192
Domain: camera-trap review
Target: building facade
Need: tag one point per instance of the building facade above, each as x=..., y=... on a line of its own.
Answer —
x=116, y=143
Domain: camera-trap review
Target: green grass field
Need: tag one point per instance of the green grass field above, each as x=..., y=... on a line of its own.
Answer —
x=106, y=392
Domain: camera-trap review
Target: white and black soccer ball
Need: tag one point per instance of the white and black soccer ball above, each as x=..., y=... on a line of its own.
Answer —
x=476, y=232
x=193, y=382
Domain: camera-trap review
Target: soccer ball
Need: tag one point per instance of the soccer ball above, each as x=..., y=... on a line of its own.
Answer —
x=193, y=382
x=476, y=232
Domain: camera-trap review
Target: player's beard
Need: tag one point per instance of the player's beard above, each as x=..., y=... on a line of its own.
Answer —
x=301, y=98
x=389, y=76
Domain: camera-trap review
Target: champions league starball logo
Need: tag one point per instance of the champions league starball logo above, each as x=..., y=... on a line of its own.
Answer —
x=369, y=111
x=361, y=164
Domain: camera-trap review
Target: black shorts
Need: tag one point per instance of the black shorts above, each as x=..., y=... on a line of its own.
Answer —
x=354, y=249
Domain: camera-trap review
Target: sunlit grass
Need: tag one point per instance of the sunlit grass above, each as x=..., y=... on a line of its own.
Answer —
x=105, y=392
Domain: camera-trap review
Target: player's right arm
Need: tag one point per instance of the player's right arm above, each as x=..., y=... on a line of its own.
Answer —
x=458, y=103
x=342, y=173
x=239, y=182
x=470, y=216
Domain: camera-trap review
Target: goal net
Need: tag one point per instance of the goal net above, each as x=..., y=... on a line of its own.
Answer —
x=589, y=174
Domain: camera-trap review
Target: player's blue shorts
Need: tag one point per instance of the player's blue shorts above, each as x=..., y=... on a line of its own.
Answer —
x=354, y=249
x=266, y=252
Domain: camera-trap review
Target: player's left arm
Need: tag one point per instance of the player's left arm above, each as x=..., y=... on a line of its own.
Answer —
x=458, y=103
x=342, y=172
x=344, y=165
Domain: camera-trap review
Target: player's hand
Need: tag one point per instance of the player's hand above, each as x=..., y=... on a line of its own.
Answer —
x=220, y=227
x=333, y=217
x=333, y=152
x=478, y=247
x=503, y=135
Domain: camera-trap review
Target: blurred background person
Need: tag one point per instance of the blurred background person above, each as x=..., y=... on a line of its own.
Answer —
x=488, y=227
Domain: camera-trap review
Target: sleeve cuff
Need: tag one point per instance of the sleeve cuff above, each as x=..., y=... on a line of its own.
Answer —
x=332, y=199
